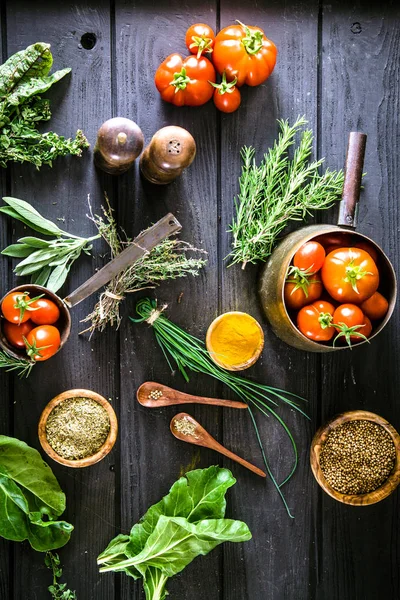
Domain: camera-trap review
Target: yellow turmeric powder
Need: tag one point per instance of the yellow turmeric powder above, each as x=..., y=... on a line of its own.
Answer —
x=233, y=339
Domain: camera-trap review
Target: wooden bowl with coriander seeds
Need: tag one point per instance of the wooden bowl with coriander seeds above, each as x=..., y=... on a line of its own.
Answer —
x=78, y=428
x=356, y=450
x=235, y=340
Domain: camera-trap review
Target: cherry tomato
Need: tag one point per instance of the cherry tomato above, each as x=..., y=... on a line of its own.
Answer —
x=350, y=275
x=43, y=342
x=15, y=307
x=335, y=240
x=199, y=39
x=244, y=52
x=185, y=81
x=375, y=307
x=368, y=248
x=227, y=97
x=314, y=321
x=310, y=257
x=45, y=312
x=15, y=333
x=297, y=298
x=350, y=323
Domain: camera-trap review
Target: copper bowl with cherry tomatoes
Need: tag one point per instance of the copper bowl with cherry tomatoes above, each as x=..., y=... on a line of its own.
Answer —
x=278, y=280
x=55, y=315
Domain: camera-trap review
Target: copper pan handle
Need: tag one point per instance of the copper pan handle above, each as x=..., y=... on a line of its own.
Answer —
x=352, y=179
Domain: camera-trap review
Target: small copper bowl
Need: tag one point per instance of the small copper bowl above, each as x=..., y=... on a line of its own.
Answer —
x=63, y=324
x=104, y=449
x=217, y=359
x=319, y=439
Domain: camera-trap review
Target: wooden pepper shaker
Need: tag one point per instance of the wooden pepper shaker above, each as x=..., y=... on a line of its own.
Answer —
x=170, y=151
x=119, y=142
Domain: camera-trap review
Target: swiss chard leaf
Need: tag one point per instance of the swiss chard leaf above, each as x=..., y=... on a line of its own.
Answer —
x=34, y=85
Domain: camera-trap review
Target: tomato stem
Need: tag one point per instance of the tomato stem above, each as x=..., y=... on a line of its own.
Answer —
x=354, y=273
x=346, y=332
x=22, y=304
x=225, y=87
x=301, y=277
x=325, y=320
x=203, y=44
x=253, y=41
x=32, y=350
x=180, y=80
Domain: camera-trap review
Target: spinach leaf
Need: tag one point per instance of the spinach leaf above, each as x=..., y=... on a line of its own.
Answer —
x=30, y=498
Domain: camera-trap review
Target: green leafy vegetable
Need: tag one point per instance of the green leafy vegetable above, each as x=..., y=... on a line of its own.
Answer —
x=22, y=77
x=57, y=590
x=186, y=523
x=277, y=191
x=190, y=353
x=30, y=498
x=47, y=261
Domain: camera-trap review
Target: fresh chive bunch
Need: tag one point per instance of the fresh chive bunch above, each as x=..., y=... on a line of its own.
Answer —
x=190, y=354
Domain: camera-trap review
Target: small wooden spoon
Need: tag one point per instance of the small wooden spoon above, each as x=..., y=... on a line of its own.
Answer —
x=169, y=396
x=201, y=437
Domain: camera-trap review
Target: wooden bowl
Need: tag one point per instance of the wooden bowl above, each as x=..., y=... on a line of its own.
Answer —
x=215, y=357
x=319, y=439
x=105, y=448
x=63, y=324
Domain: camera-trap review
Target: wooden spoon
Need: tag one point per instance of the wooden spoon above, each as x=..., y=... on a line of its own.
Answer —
x=170, y=396
x=201, y=437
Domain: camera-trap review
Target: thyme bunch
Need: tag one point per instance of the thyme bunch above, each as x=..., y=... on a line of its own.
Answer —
x=279, y=190
x=190, y=354
x=169, y=260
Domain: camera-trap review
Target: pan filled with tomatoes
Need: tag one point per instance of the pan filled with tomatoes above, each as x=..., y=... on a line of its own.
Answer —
x=328, y=287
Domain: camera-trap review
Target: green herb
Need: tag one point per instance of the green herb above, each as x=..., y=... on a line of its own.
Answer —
x=168, y=260
x=57, y=590
x=22, y=366
x=278, y=191
x=47, y=261
x=189, y=353
x=186, y=523
x=77, y=428
x=30, y=498
x=22, y=77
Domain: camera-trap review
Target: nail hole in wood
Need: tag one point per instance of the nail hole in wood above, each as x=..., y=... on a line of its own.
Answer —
x=88, y=41
x=356, y=28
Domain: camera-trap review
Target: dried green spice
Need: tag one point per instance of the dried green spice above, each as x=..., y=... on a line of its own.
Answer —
x=77, y=428
x=357, y=457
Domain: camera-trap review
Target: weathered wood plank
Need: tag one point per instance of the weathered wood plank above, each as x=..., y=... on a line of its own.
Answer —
x=359, y=91
x=280, y=545
x=81, y=101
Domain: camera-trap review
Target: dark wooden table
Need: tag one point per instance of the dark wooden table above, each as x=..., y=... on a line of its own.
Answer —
x=338, y=64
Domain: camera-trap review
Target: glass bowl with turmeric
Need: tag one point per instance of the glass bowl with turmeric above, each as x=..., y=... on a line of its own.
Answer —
x=235, y=340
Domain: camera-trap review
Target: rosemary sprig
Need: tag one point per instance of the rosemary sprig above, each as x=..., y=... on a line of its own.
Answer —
x=277, y=191
x=189, y=353
x=47, y=261
x=22, y=366
x=168, y=260
x=57, y=590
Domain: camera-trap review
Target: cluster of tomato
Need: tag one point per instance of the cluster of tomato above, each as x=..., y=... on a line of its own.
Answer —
x=333, y=290
x=241, y=55
x=28, y=325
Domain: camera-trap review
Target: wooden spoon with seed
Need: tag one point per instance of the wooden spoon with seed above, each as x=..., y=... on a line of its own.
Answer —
x=187, y=429
x=155, y=395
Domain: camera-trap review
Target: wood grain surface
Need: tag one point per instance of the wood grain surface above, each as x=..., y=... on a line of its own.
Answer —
x=337, y=65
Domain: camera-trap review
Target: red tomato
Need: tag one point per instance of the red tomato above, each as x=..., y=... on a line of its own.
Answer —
x=368, y=248
x=15, y=307
x=44, y=312
x=15, y=333
x=200, y=39
x=43, y=342
x=185, y=81
x=314, y=321
x=350, y=322
x=335, y=240
x=310, y=257
x=244, y=52
x=350, y=275
x=375, y=307
x=226, y=95
x=296, y=298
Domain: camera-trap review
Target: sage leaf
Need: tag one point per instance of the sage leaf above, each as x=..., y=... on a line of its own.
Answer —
x=58, y=277
x=30, y=268
x=41, y=277
x=38, y=256
x=17, y=250
x=34, y=242
x=32, y=217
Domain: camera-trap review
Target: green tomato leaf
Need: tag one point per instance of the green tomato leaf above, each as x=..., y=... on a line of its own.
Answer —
x=31, y=217
x=17, y=250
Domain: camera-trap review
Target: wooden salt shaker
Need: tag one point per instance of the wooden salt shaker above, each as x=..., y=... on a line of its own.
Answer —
x=170, y=151
x=119, y=142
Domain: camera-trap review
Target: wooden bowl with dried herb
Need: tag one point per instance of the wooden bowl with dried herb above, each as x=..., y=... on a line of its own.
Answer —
x=78, y=428
x=355, y=458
